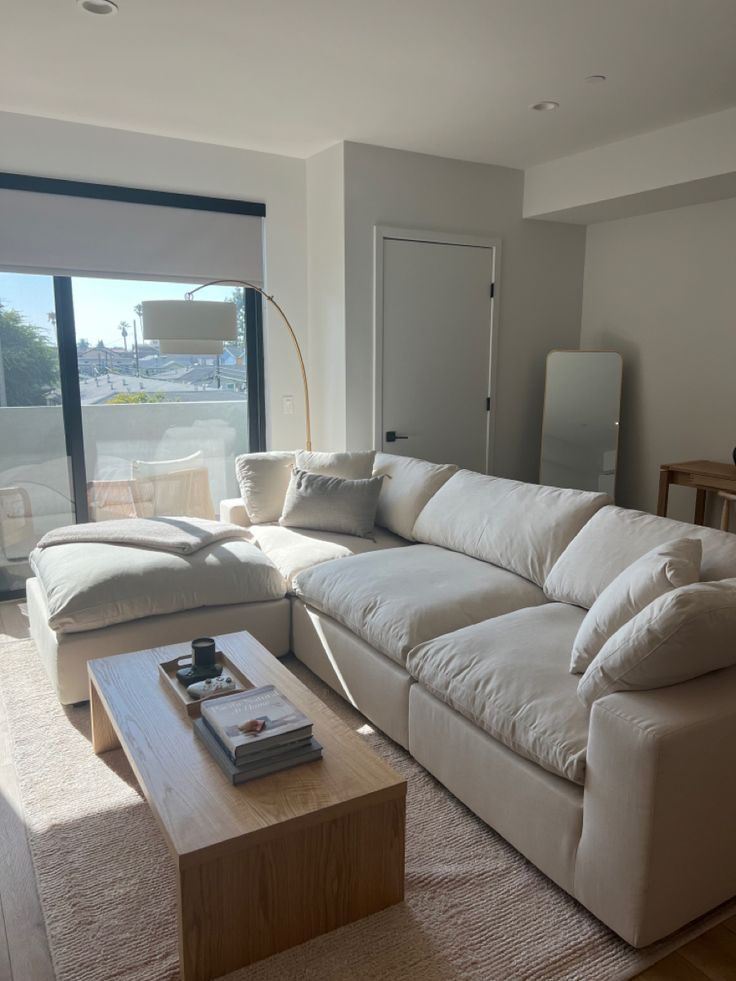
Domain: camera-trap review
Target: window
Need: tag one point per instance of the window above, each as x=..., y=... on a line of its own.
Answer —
x=95, y=423
x=35, y=478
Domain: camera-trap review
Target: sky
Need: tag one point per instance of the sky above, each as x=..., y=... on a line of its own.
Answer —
x=99, y=304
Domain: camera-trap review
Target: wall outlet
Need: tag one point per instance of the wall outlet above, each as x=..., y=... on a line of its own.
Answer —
x=287, y=404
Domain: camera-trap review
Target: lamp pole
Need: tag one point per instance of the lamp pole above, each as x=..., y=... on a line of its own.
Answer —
x=292, y=334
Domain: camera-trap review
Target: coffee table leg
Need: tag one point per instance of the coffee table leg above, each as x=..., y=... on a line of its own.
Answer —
x=254, y=901
x=104, y=737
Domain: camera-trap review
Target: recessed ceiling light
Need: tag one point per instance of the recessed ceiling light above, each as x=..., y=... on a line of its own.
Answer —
x=98, y=6
x=595, y=79
x=545, y=106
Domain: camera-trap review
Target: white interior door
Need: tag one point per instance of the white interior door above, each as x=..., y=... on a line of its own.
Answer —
x=434, y=331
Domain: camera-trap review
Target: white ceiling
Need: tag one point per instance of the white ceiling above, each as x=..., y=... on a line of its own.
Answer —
x=447, y=77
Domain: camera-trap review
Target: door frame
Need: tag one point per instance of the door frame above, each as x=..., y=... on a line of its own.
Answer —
x=380, y=234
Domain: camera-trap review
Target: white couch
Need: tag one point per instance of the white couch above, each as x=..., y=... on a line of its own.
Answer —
x=454, y=638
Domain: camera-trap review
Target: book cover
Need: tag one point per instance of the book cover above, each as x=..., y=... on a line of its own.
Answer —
x=237, y=775
x=249, y=719
x=259, y=752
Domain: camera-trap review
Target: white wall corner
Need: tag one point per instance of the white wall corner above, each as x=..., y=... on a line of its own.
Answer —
x=326, y=296
x=688, y=163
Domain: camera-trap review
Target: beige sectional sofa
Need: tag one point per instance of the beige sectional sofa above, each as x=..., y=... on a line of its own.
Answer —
x=452, y=630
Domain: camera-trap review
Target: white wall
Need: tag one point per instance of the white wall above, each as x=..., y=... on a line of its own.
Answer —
x=688, y=163
x=52, y=148
x=326, y=287
x=540, y=280
x=661, y=290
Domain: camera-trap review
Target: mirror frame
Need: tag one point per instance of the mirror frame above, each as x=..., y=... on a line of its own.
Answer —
x=585, y=350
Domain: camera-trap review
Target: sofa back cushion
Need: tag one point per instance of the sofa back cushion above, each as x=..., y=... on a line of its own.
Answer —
x=520, y=527
x=408, y=485
x=355, y=465
x=263, y=479
x=615, y=538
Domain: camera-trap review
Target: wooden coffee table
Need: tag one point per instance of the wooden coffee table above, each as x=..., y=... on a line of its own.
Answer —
x=273, y=862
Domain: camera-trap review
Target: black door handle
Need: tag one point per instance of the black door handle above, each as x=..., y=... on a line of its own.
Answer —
x=392, y=436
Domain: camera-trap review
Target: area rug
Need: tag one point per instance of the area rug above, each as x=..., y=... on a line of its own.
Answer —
x=474, y=908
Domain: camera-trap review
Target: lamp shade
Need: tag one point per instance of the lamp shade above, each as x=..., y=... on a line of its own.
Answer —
x=178, y=346
x=189, y=320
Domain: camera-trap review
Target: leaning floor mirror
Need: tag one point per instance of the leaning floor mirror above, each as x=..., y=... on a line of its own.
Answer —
x=580, y=426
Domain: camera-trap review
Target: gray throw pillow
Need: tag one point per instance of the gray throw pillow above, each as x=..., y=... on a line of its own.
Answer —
x=331, y=503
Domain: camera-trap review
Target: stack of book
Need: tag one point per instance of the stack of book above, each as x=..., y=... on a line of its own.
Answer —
x=256, y=732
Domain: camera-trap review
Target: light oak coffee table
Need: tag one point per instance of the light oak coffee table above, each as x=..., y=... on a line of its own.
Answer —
x=273, y=862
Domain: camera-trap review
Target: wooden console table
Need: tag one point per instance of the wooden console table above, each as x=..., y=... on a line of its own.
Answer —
x=702, y=475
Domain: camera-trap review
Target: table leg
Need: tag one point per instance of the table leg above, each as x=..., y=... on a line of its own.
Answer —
x=700, y=506
x=251, y=902
x=104, y=736
x=664, y=489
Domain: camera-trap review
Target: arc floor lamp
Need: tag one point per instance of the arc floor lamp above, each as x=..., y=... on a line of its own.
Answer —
x=186, y=327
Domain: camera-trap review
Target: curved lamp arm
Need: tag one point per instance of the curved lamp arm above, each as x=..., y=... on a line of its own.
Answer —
x=269, y=297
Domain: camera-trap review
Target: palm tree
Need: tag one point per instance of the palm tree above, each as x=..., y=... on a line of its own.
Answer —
x=123, y=327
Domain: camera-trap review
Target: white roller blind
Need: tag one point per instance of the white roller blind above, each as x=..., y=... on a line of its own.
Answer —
x=65, y=236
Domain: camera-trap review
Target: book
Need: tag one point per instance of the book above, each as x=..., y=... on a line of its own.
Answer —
x=265, y=751
x=241, y=774
x=274, y=720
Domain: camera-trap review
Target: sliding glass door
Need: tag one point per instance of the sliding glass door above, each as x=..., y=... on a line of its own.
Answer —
x=161, y=431
x=35, y=474
x=96, y=423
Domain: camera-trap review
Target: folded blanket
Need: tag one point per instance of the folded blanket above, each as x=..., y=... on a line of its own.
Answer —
x=180, y=535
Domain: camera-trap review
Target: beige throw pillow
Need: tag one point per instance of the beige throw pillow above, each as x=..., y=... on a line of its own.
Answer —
x=683, y=634
x=664, y=568
x=331, y=503
x=350, y=466
x=263, y=479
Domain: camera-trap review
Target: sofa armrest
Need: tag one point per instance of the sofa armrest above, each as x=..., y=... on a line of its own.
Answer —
x=233, y=511
x=658, y=846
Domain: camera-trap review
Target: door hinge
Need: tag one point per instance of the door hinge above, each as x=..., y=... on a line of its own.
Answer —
x=493, y=290
x=488, y=404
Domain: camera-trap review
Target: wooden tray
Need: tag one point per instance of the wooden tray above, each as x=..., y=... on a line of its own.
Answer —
x=193, y=706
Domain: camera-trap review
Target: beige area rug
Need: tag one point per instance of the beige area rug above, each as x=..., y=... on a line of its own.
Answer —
x=474, y=908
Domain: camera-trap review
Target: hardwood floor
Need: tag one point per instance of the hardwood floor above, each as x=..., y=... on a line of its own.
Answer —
x=24, y=952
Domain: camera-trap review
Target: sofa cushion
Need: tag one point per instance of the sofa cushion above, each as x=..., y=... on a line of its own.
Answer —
x=292, y=550
x=521, y=527
x=682, y=635
x=356, y=465
x=615, y=538
x=399, y=598
x=331, y=503
x=661, y=570
x=263, y=479
x=509, y=677
x=92, y=585
x=408, y=485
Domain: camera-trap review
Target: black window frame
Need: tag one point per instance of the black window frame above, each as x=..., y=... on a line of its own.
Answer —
x=65, y=327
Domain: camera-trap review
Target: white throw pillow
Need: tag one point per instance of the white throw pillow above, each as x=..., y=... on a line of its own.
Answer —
x=331, y=503
x=661, y=570
x=349, y=466
x=409, y=484
x=263, y=479
x=683, y=634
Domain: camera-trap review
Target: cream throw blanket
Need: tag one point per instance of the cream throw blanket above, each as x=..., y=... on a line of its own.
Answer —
x=180, y=535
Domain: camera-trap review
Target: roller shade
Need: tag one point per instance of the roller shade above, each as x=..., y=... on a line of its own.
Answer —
x=63, y=235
